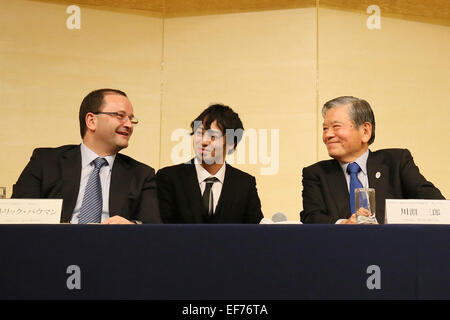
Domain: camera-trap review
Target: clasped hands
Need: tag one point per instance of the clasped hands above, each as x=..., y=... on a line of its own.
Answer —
x=361, y=212
x=116, y=220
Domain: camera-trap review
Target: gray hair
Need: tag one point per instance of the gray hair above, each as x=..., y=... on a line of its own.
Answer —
x=360, y=111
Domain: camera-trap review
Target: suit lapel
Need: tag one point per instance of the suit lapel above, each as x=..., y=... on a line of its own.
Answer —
x=378, y=176
x=71, y=175
x=119, y=186
x=192, y=190
x=227, y=193
x=338, y=185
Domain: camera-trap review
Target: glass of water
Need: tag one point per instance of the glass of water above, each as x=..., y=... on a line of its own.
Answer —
x=365, y=206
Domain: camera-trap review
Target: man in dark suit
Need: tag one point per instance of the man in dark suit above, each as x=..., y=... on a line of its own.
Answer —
x=117, y=190
x=207, y=190
x=348, y=130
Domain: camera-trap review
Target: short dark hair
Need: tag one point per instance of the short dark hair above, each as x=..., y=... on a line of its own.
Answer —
x=93, y=103
x=226, y=119
x=360, y=111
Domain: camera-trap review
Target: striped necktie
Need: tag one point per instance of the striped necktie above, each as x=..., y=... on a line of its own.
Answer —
x=91, y=208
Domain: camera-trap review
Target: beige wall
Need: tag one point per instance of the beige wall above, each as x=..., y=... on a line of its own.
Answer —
x=263, y=64
x=403, y=70
x=47, y=69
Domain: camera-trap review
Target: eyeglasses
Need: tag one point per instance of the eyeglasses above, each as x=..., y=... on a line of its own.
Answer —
x=121, y=116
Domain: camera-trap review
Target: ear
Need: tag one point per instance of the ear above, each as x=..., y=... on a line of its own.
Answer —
x=91, y=121
x=366, y=131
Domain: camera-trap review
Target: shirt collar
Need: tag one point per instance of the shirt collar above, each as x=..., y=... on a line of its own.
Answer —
x=87, y=156
x=361, y=161
x=202, y=173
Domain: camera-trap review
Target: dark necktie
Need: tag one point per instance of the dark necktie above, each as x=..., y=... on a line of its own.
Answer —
x=91, y=208
x=208, y=198
x=353, y=169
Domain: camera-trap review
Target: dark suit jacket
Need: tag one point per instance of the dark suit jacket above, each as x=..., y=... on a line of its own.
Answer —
x=56, y=173
x=325, y=191
x=180, y=198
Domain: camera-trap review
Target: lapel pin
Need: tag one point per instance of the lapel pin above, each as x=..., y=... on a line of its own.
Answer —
x=377, y=175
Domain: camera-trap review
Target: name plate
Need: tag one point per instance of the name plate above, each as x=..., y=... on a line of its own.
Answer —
x=30, y=211
x=412, y=211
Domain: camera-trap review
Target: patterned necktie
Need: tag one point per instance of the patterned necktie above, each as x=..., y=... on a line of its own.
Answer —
x=208, y=198
x=353, y=169
x=91, y=208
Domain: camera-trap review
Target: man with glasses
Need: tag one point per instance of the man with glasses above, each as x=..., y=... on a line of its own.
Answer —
x=208, y=190
x=96, y=182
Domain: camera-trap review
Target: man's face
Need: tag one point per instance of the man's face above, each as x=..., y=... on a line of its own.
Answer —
x=210, y=145
x=111, y=132
x=343, y=140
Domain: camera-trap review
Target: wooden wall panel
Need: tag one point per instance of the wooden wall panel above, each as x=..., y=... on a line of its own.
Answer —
x=429, y=11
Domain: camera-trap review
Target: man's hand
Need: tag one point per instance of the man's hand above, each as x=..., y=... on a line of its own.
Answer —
x=366, y=213
x=363, y=212
x=117, y=220
x=351, y=220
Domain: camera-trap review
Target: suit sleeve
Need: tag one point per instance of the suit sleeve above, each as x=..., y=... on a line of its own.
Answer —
x=253, y=212
x=314, y=208
x=148, y=211
x=29, y=183
x=414, y=183
x=166, y=197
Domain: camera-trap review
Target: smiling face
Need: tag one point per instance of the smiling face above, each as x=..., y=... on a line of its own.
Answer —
x=344, y=141
x=107, y=134
x=210, y=145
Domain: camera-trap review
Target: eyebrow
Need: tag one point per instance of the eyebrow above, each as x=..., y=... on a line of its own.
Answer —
x=214, y=131
x=333, y=122
x=210, y=130
x=122, y=111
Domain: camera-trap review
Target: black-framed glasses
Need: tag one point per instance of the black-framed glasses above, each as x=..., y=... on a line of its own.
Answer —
x=121, y=116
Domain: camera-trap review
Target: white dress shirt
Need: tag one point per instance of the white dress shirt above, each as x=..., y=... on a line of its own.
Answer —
x=87, y=166
x=216, y=188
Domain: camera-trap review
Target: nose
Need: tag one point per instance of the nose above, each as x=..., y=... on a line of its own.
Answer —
x=206, y=140
x=127, y=122
x=128, y=125
x=327, y=134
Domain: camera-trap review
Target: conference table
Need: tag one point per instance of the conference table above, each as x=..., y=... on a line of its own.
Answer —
x=224, y=262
